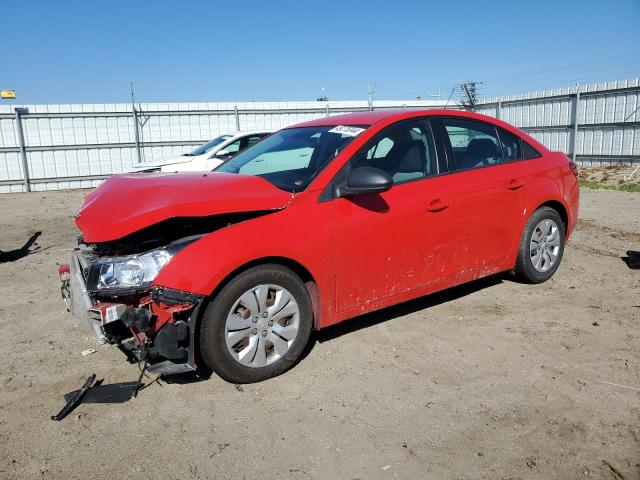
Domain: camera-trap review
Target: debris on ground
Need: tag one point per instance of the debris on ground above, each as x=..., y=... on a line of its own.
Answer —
x=75, y=399
x=633, y=259
x=614, y=470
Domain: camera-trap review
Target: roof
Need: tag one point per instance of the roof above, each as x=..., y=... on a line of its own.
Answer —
x=238, y=133
x=375, y=116
x=358, y=118
x=390, y=116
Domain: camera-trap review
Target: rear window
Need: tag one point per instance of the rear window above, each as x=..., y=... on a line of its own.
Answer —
x=511, y=145
x=528, y=151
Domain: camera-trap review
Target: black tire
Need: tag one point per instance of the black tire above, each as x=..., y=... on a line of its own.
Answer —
x=524, y=269
x=213, y=346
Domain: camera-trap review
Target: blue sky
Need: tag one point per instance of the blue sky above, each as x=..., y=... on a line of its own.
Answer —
x=88, y=51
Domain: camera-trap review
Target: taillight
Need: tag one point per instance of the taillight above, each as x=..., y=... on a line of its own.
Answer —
x=574, y=168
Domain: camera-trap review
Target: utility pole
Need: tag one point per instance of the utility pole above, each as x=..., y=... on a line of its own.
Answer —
x=136, y=124
x=371, y=95
x=470, y=98
x=323, y=96
x=23, y=151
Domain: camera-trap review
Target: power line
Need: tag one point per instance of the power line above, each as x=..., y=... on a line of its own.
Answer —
x=561, y=76
x=602, y=61
x=450, y=95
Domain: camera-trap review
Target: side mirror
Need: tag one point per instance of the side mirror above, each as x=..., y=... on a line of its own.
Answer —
x=222, y=153
x=365, y=180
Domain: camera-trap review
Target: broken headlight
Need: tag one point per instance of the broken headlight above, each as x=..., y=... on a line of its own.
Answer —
x=131, y=271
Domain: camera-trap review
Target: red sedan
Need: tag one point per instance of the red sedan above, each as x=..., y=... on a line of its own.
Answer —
x=316, y=224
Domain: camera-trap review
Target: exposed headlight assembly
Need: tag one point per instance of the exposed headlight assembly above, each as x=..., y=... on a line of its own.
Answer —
x=131, y=271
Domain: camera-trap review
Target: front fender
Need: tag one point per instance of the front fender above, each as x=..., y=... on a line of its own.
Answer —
x=300, y=233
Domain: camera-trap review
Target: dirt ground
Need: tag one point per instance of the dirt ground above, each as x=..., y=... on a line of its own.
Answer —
x=611, y=176
x=491, y=380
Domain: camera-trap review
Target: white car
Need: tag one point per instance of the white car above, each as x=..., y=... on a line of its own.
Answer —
x=208, y=156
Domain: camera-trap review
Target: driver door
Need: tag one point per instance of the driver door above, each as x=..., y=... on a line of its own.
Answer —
x=399, y=240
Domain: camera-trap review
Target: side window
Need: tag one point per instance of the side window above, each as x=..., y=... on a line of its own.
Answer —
x=474, y=144
x=234, y=147
x=380, y=149
x=529, y=152
x=405, y=151
x=511, y=145
x=253, y=139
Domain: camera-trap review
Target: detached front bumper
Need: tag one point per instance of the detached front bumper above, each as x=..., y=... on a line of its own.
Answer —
x=78, y=301
x=157, y=326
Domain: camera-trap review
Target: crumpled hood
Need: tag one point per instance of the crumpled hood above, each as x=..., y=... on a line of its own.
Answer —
x=124, y=204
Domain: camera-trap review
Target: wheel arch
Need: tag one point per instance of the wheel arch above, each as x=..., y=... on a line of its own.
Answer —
x=296, y=267
x=558, y=207
x=552, y=202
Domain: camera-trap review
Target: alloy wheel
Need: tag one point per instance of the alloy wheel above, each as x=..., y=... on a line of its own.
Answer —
x=262, y=325
x=544, y=247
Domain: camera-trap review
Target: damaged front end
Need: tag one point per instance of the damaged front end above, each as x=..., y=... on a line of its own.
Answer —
x=112, y=293
x=134, y=225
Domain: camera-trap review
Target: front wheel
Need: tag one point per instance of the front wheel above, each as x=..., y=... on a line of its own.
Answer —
x=541, y=246
x=257, y=326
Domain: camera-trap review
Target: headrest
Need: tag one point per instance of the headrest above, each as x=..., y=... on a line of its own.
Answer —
x=482, y=148
x=414, y=158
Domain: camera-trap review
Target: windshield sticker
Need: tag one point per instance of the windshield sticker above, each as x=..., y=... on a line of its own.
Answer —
x=347, y=130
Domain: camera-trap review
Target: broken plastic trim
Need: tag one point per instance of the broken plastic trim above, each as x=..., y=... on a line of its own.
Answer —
x=75, y=400
x=163, y=359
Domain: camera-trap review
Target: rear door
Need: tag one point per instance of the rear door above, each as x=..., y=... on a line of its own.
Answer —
x=398, y=240
x=488, y=191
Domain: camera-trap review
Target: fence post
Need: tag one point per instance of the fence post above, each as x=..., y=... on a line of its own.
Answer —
x=574, y=137
x=136, y=131
x=23, y=151
x=327, y=109
x=499, y=109
x=237, y=118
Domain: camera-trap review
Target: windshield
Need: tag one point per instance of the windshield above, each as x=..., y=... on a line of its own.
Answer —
x=291, y=158
x=209, y=145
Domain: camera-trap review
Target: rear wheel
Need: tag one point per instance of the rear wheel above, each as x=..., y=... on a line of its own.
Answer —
x=541, y=246
x=257, y=325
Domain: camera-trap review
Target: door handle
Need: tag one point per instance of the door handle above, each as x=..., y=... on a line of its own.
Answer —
x=515, y=184
x=437, y=205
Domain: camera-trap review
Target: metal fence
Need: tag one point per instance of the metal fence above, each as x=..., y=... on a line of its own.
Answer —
x=597, y=124
x=50, y=147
